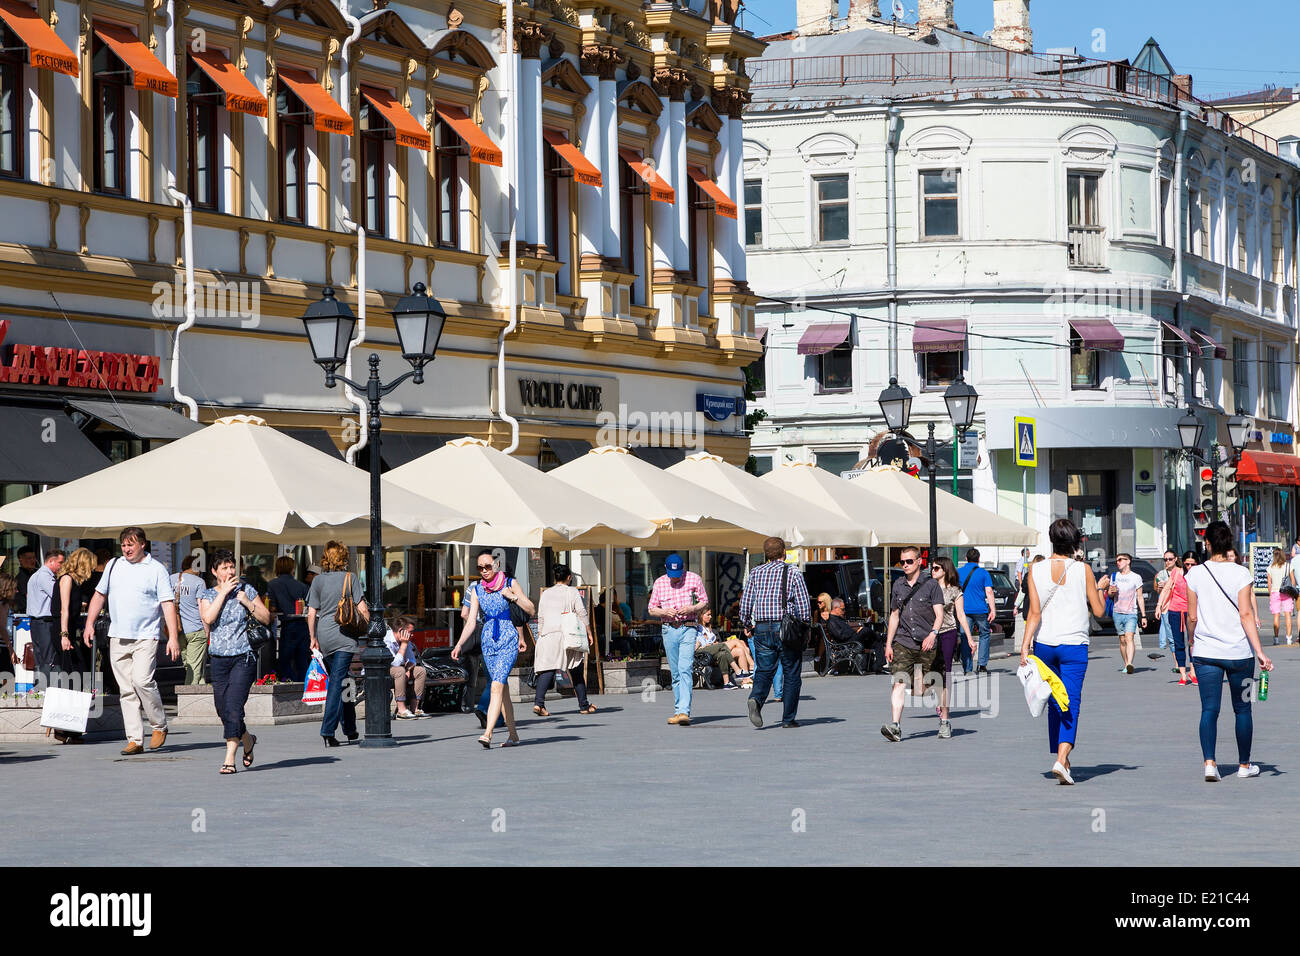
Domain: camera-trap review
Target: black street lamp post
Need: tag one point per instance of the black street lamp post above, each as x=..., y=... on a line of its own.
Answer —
x=330, y=324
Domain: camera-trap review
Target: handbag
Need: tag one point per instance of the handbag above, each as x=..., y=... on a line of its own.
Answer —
x=29, y=657
x=102, y=622
x=1289, y=591
x=351, y=623
x=518, y=616
x=794, y=632
x=257, y=633
x=575, y=636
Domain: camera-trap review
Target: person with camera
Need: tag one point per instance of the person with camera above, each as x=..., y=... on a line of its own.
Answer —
x=676, y=600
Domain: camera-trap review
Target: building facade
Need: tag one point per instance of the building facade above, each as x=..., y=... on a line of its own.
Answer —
x=1084, y=243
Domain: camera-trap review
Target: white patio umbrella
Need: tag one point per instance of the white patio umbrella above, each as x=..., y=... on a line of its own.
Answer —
x=235, y=478
x=686, y=514
x=961, y=522
x=527, y=508
x=884, y=522
x=804, y=524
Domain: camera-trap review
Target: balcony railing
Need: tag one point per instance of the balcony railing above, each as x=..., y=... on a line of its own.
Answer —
x=955, y=66
x=1087, y=247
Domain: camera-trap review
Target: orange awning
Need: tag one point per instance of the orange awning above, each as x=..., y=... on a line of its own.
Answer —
x=407, y=127
x=44, y=48
x=1269, y=468
x=660, y=191
x=721, y=204
x=241, y=95
x=481, y=147
x=147, y=71
x=327, y=116
x=583, y=171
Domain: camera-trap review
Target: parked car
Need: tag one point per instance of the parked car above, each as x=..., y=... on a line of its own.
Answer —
x=841, y=579
x=1144, y=570
x=1004, y=595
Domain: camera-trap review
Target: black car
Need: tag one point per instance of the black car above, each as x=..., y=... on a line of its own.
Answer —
x=842, y=579
x=1149, y=598
x=1004, y=596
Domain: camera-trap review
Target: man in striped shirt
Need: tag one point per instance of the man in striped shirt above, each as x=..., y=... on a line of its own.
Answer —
x=761, y=610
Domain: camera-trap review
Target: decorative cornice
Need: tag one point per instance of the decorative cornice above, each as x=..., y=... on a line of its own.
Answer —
x=671, y=83
x=603, y=61
x=529, y=37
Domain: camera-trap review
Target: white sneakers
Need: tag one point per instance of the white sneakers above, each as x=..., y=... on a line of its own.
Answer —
x=1251, y=770
x=1212, y=772
x=1062, y=773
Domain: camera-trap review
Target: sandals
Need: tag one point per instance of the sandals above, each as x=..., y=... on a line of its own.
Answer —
x=541, y=711
x=510, y=742
x=227, y=769
x=486, y=741
x=248, y=753
x=589, y=709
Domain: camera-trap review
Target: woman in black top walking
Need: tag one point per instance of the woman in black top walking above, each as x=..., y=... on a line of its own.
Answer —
x=68, y=602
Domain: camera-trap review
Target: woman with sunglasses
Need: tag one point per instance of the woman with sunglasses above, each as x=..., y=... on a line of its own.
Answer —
x=491, y=597
x=1171, y=608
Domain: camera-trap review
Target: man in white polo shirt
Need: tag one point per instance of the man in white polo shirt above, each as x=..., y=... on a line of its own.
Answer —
x=140, y=598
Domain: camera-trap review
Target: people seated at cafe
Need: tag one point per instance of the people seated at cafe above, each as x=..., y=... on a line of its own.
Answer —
x=709, y=643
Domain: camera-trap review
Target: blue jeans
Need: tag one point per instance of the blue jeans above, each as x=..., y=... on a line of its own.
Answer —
x=337, y=665
x=1175, y=621
x=981, y=622
x=1209, y=680
x=679, y=648
x=1070, y=662
x=769, y=655
x=1166, y=635
x=777, y=680
x=231, y=679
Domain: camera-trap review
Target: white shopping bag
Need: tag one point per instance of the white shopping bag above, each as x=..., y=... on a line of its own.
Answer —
x=1037, y=690
x=66, y=709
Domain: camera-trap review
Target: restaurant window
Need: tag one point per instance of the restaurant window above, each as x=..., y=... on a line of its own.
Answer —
x=753, y=212
x=939, y=201
x=291, y=116
x=1276, y=406
x=201, y=104
x=1085, y=230
x=832, y=208
x=940, y=369
x=834, y=369
x=11, y=106
x=1085, y=364
x=1241, y=377
x=375, y=132
x=108, y=90
x=448, y=150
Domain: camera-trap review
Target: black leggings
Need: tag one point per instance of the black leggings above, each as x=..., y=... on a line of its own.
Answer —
x=546, y=678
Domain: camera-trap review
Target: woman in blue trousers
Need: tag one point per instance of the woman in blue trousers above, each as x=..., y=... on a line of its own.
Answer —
x=1061, y=593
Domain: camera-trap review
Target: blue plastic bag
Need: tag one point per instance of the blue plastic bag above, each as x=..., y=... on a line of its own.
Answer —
x=316, y=683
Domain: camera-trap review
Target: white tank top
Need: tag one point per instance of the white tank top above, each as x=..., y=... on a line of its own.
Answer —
x=1066, y=617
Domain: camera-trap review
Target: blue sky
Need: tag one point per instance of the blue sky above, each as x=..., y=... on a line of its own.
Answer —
x=1229, y=47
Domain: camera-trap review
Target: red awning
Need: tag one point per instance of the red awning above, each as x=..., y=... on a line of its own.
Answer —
x=583, y=171
x=939, y=335
x=821, y=337
x=1219, y=351
x=660, y=191
x=722, y=204
x=481, y=147
x=1098, y=334
x=44, y=48
x=1180, y=334
x=1269, y=468
x=326, y=115
x=147, y=71
x=406, y=127
x=241, y=95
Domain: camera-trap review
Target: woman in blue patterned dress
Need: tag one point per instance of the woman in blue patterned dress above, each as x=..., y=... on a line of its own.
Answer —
x=225, y=610
x=489, y=603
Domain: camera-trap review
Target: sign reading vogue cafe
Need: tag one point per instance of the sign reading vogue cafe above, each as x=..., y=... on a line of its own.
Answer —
x=546, y=393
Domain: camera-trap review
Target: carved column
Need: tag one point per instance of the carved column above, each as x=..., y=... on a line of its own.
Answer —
x=665, y=216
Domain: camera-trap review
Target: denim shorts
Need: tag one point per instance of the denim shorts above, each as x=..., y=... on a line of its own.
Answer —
x=1126, y=623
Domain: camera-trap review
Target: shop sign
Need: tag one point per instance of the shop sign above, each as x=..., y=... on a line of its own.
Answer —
x=718, y=408
x=77, y=368
x=545, y=394
x=1280, y=438
x=1146, y=489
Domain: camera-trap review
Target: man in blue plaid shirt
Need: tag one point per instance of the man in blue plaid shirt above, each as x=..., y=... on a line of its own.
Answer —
x=760, y=613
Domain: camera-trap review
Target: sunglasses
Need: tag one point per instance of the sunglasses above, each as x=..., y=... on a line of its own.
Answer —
x=486, y=567
x=908, y=561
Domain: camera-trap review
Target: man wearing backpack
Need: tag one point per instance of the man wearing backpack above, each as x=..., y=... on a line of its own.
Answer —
x=981, y=606
x=915, y=615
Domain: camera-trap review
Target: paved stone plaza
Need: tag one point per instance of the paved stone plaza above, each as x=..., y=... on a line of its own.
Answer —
x=623, y=787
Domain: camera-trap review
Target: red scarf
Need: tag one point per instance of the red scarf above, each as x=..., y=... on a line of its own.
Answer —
x=497, y=582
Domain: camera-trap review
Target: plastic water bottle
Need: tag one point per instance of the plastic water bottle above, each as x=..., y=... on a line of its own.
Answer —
x=1263, y=686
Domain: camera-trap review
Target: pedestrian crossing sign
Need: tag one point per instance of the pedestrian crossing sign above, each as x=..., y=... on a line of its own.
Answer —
x=1026, y=442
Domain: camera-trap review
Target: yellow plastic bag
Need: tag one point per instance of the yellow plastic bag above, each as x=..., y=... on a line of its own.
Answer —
x=1059, y=693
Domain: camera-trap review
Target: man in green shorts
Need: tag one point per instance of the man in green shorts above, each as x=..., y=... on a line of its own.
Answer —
x=916, y=611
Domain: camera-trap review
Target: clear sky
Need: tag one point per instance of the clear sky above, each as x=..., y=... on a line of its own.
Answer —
x=1227, y=45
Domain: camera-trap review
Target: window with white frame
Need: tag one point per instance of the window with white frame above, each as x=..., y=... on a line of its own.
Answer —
x=832, y=196
x=939, y=369
x=1083, y=207
x=1241, y=376
x=834, y=369
x=753, y=212
x=1085, y=364
x=1276, y=404
x=1242, y=254
x=940, y=204
x=1194, y=239
x=12, y=127
x=1171, y=353
x=1166, y=231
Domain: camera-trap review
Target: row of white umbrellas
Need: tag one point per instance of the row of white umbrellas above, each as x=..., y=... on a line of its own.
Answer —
x=238, y=478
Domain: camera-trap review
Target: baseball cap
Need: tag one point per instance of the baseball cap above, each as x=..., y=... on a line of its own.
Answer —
x=675, y=566
x=314, y=569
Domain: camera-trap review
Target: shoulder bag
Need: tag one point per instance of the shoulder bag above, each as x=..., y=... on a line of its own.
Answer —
x=575, y=636
x=347, y=614
x=102, y=622
x=1234, y=604
x=794, y=632
x=258, y=634
x=518, y=616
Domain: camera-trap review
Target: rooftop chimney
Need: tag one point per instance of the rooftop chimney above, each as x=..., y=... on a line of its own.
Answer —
x=813, y=17
x=1011, y=29
x=934, y=13
x=861, y=11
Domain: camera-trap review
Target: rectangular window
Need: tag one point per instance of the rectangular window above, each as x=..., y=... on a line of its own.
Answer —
x=1243, y=239
x=628, y=196
x=109, y=93
x=940, y=369
x=753, y=212
x=291, y=116
x=1165, y=227
x=939, y=196
x=1172, y=362
x=1206, y=234
x=1193, y=239
x=448, y=150
x=756, y=374
x=1276, y=407
x=1084, y=365
x=1086, y=233
x=374, y=134
x=553, y=180
x=832, y=208
x=204, y=156
x=11, y=106
x=1241, y=376
x=835, y=369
